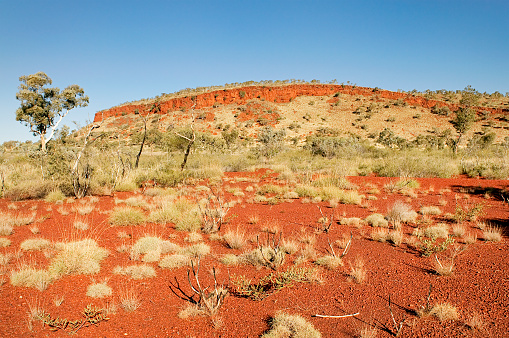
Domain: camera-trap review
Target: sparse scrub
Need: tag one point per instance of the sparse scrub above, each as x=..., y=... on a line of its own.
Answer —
x=197, y=250
x=34, y=244
x=55, y=196
x=440, y=230
x=194, y=237
x=80, y=257
x=174, y=261
x=84, y=209
x=31, y=277
x=234, y=240
x=138, y=201
x=6, y=230
x=443, y=268
x=368, y=332
x=5, y=259
x=4, y=242
x=289, y=246
x=272, y=283
x=470, y=213
x=380, y=234
x=269, y=256
x=470, y=238
x=458, y=230
x=330, y=262
x=442, y=311
x=401, y=213
x=286, y=325
x=492, y=234
x=377, y=220
x=129, y=300
x=343, y=196
x=149, y=246
x=124, y=216
x=475, y=322
x=351, y=221
x=358, y=271
x=80, y=225
x=395, y=237
x=430, y=210
x=401, y=185
x=99, y=290
x=431, y=246
x=16, y=220
x=136, y=271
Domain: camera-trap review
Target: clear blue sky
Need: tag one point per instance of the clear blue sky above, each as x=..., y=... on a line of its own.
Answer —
x=122, y=51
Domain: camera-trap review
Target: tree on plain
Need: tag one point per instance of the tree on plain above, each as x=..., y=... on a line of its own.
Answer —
x=465, y=118
x=43, y=108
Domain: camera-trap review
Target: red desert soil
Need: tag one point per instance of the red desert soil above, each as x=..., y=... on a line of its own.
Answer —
x=478, y=285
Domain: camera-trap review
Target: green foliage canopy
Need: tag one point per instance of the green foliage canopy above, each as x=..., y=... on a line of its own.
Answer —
x=42, y=108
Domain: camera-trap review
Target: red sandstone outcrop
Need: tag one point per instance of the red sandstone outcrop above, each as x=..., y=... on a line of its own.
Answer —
x=279, y=94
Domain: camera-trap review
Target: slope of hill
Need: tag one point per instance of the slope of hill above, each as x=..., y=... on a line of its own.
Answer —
x=302, y=109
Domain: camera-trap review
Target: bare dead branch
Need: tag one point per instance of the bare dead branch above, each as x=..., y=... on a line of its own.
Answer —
x=209, y=302
x=345, y=251
x=343, y=316
x=397, y=327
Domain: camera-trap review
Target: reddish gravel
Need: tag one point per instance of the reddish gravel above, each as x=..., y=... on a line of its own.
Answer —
x=478, y=285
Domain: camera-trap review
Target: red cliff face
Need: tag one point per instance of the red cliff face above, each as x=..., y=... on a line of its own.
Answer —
x=280, y=94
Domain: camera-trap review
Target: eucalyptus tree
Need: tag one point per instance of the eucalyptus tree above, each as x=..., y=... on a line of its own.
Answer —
x=43, y=108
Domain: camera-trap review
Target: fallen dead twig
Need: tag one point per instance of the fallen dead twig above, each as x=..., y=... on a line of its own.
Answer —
x=343, y=316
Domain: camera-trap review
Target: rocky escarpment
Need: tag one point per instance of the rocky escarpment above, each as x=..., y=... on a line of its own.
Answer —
x=278, y=94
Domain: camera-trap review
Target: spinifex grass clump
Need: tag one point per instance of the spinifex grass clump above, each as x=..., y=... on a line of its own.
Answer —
x=151, y=248
x=286, y=325
x=80, y=257
x=31, y=277
x=401, y=213
x=123, y=216
x=136, y=271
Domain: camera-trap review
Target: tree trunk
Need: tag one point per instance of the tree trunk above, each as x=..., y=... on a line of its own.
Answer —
x=186, y=155
x=142, y=143
x=43, y=143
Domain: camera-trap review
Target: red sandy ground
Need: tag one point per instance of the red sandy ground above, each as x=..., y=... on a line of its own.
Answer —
x=478, y=285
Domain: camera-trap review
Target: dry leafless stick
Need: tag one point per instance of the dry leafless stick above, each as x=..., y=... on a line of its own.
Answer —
x=327, y=220
x=347, y=246
x=397, y=327
x=343, y=316
x=212, y=301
